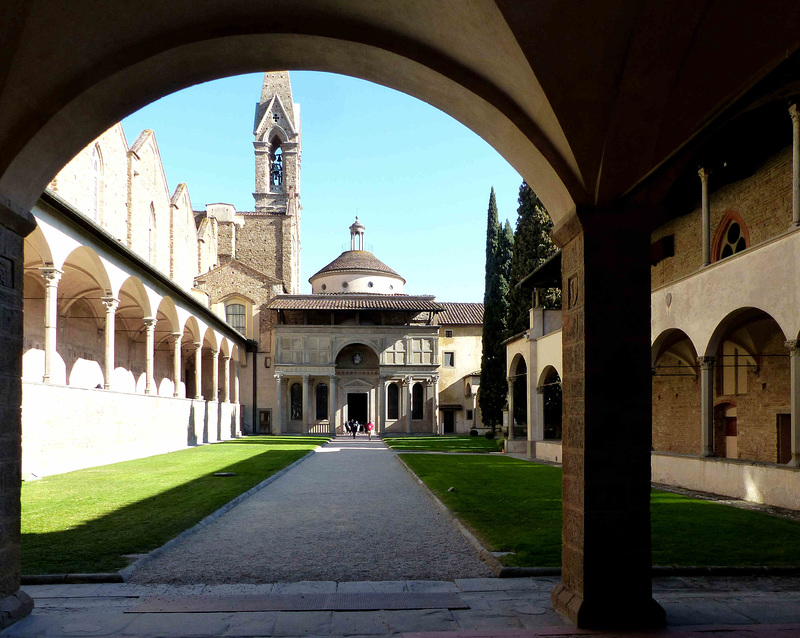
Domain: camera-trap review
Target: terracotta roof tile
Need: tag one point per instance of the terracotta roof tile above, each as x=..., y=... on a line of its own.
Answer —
x=461, y=313
x=357, y=260
x=354, y=302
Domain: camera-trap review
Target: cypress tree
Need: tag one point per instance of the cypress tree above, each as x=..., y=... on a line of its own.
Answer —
x=532, y=246
x=495, y=312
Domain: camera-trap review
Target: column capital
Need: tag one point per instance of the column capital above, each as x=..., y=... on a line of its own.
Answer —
x=226, y=357
x=176, y=337
x=197, y=345
x=704, y=174
x=215, y=352
x=706, y=363
x=792, y=344
x=278, y=377
x=51, y=275
x=150, y=322
x=408, y=380
x=794, y=113
x=111, y=303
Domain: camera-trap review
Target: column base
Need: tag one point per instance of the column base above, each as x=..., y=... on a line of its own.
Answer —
x=627, y=613
x=14, y=607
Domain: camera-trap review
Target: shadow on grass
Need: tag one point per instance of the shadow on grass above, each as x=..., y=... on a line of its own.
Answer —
x=99, y=545
x=276, y=440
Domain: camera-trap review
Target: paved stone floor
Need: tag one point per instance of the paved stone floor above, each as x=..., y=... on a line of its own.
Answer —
x=513, y=607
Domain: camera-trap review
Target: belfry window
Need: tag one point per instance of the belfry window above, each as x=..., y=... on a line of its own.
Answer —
x=296, y=399
x=236, y=317
x=276, y=166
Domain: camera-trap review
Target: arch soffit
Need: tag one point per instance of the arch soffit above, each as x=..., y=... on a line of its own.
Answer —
x=133, y=292
x=734, y=327
x=192, y=327
x=498, y=97
x=37, y=249
x=210, y=338
x=677, y=343
x=514, y=365
x=85, y=262
x=167, y=311
x=355, y=341
x=546, y=372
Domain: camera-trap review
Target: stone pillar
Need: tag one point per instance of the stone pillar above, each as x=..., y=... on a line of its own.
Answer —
x=15, y=224
x=436, y=426
x=793, y=111
x=226, y=378
x=408, y=400
x=510, y=398
x=332, y=403
x=176, y=363
x=707, y=404
x=382, y=403
x=214, y=375
x=108, y=361
x=198, y=369
x=706, y=216
x=51, y=278
x=794, y=360
x=536, y=424
x=277, y=422
x=150, y=333
x=236, y=381
x=606, y=561
x=306, y=406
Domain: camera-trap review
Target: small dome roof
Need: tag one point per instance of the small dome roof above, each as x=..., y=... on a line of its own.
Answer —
x=361, y=261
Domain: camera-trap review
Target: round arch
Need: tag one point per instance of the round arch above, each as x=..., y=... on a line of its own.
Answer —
x=740, y=325
x=678, y=343
x=356, y=354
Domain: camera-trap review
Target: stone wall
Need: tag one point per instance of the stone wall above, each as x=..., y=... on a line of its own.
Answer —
x=764, y=202
x=97, y=427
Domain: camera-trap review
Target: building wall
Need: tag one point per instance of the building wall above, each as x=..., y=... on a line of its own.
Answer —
x=676, y=408
x=467, y=345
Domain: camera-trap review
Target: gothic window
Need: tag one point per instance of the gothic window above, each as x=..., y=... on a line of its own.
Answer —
x=276, y=166
x=296, y=399
x=733, y=241
x=732, y=236
x=417, y=395
x=236, y=317
x=322, y=401
x=393, y=402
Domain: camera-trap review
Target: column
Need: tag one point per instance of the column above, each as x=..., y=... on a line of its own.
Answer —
x=198, y=369
x=214, y=375
x=332, y=403
x=436, y=425
x=176, y=363
x=793, y=111
x=707, y=404
x=794, y=360
x=306, y=404
x=226, y=378
x=382, y=402
x=236, y=381
x=606, y=551
x=150, y=333
x=408, y=400
x=108, y=362
x=510, y=383
x=706, y=216
x=51, y=278
x=277, y=421
x=536, y=425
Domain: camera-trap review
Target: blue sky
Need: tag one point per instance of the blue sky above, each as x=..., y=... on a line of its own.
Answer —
x=418, y=180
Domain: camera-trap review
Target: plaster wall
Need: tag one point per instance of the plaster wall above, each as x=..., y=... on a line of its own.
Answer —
x=548, y=451
x=548, y=353
x=357, y=283
x=97, y=427
x=776, y=485
x=466, y=344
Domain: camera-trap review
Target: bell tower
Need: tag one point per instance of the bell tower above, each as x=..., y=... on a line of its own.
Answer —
x=277, y=188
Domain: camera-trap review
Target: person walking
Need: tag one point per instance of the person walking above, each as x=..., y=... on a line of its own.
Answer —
x=355, y=428
x=370, y=428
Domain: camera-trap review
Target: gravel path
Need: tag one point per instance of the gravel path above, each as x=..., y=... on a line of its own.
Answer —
x=349, y=513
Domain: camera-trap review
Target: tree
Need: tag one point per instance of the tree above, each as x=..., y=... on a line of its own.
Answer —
x=499, y=244
x=532, y=247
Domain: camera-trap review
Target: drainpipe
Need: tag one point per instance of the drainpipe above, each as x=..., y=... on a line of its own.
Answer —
x=252, y=347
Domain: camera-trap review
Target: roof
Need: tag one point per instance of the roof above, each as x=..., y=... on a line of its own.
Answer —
x=461, y=313
x=358, y=260
x=548, y=275
x=354, y=302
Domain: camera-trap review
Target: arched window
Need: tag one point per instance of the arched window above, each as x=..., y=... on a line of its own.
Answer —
x=732, y=237
x=733, y=242
x=393, y=402
x=322, y=401
x=236, y=317
x=276, y=166
x=296, y=397
x=417, y=394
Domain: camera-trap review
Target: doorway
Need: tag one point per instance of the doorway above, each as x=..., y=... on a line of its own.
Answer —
x=449, y=422
x=357, y=407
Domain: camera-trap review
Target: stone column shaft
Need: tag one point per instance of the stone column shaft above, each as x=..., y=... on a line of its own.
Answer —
x=214, y=375
x=306, y=404
x=382, y=405
x=176, y=363
x=536, y=425
x=236, y=381
x=794, y=360
x=510, y=382
x=606, y=560
x=706, y=216
x=793, y=111
x=226, y=378
x=277, y=422
x=332, y=403
x=150, y=333
x=108, y=361
x=436, y=424
x=51, y=278
x=707, y=404
x=198, y=369
x=409, y=401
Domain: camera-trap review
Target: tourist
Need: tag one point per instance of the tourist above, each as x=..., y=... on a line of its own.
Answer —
x=355, y=428
x=370, y=428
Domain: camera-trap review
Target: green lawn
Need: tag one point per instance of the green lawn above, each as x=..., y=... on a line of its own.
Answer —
x=444, y=443
x=85, y=521
x=515, y=506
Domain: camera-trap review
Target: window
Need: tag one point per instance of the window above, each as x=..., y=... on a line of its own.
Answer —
x=296, y=396
x=733, y=242
x=449, y=359
x=236, y=317
x=322, y=401
x=732, y=236
x=276, y=166
x=448, y=334
x=417, y=401
x=393, y=402
x=469, y=415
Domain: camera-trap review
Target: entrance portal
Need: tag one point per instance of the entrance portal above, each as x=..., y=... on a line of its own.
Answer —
x=357, y=407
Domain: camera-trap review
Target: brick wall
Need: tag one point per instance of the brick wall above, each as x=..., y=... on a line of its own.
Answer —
x=676, y=408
